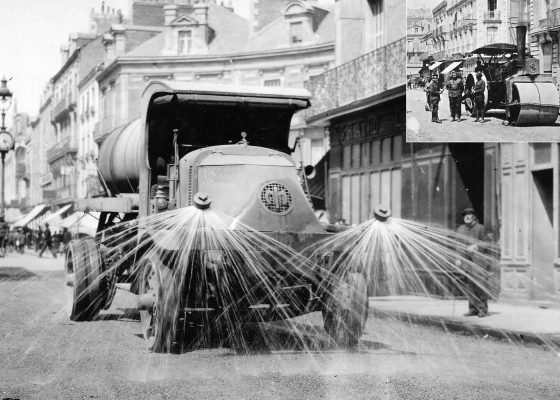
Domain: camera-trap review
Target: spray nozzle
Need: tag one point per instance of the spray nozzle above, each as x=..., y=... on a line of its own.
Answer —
x=381, y=213
x=202, y=201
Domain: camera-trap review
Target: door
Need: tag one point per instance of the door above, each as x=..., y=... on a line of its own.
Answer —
x=543, y=236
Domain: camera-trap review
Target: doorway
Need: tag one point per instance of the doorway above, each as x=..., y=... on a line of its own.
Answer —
x=543, y=237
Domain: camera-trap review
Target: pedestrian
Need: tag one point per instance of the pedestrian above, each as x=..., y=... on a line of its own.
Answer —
x=434, y=90
x=66, y=238
x=476, y=285
x=47, y=241
x=455, y=90
x=19, y=240
x=4, y=230
x=479, y=67
x=478, y=89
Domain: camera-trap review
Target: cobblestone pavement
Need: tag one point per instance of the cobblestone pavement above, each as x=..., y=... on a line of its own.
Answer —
x=44, y=355
x=419, y=127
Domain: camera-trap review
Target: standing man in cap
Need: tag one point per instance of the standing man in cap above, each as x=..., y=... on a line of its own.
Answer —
x=478, y=90
x=434, y=91
x=455, y=90
x=476, y=279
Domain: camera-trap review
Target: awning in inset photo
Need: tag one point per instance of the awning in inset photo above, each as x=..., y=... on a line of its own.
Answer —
x=451, y=67
x=435, y=65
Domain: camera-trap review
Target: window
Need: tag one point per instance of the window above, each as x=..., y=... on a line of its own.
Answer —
x=185, y=42
x=547, y=57
x=296, y=32
x=492, y=5
x=272, y=82
x=491, y=34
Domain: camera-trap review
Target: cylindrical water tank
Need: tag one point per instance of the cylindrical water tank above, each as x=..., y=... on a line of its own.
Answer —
x=121, y=158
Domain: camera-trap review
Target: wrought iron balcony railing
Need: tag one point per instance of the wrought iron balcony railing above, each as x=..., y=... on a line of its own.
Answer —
x=553, y=18
x=65, y=105
x=366, y=76
x=492, y=15
x=61, y=149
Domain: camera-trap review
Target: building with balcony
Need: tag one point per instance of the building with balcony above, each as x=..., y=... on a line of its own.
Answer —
x=362, y=103
x=544, y=35
x=283, y=43
x=464, y=25
x=419, y=23
x=87, y=149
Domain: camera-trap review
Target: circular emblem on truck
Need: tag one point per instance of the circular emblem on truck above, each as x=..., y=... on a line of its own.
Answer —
x=276, y=198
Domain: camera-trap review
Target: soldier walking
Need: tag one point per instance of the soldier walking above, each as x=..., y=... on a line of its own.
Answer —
x=455, y=90
x=434, y=91
x=47, y=241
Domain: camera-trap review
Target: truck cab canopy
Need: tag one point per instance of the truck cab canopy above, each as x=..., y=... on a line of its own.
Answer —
x=209, y=114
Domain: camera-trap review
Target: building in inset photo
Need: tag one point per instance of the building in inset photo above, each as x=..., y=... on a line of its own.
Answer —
x=483, y=70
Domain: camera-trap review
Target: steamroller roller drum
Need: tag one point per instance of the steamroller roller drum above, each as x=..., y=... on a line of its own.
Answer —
x=537, y=103
x=345, y=310
x=84, y=275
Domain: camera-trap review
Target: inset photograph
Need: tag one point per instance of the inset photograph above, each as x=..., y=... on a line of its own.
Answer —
x=482, y=71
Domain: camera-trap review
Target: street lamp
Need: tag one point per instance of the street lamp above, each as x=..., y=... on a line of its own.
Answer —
x=6, y=140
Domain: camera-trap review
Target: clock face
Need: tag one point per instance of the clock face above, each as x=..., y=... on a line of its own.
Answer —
x=6, y=141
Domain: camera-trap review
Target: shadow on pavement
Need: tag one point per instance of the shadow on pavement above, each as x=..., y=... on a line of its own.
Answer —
x=16, y=274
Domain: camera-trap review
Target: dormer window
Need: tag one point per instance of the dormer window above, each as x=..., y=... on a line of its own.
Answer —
x=185, y=42
x=296, y=32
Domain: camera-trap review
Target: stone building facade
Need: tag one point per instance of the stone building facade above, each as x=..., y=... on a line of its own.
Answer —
x=544, y=34
x=207, y=42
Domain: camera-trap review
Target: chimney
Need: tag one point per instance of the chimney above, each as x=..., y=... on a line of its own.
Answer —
x=170, y=11
x=109, y=44
x=201, y=13
x=119, y=39
x=521, y=31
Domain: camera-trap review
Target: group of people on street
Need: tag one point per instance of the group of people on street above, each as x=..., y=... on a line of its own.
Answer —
x=456, y=91
x=16, y=239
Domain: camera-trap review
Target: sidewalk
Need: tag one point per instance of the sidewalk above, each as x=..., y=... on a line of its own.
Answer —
x=517, y=322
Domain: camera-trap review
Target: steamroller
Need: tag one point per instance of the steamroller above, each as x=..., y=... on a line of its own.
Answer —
x=213, y=147
x=514, y=83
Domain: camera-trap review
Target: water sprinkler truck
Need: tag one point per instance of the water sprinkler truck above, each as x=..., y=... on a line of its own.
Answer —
x=209, y=146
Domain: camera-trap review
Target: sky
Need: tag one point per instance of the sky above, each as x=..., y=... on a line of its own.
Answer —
x=31, y=33
x=422, y=3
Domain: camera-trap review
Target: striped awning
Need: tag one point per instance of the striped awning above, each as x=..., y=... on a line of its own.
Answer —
x=56, y=218
x=435, y=65
x=31, y=215
x=451, y=67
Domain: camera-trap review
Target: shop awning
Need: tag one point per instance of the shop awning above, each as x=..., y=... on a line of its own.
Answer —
x=31, y=215
x=435, y=65
x=81, y=223
x=451, y=67
x=55, y=218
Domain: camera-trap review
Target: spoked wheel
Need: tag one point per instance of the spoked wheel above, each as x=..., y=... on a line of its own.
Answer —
x=158, y=323
x=87, y=286
x=346, y=309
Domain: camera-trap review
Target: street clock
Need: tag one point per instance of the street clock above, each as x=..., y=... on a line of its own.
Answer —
x=6, y=141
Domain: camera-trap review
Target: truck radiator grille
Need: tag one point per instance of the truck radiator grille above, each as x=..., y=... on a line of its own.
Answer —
x=276, y=198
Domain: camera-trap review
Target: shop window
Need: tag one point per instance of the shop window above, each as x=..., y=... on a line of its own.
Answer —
x=386, y=150
x=375, y=152
x=356, y=155
x=366, y=146
x=347, y=157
